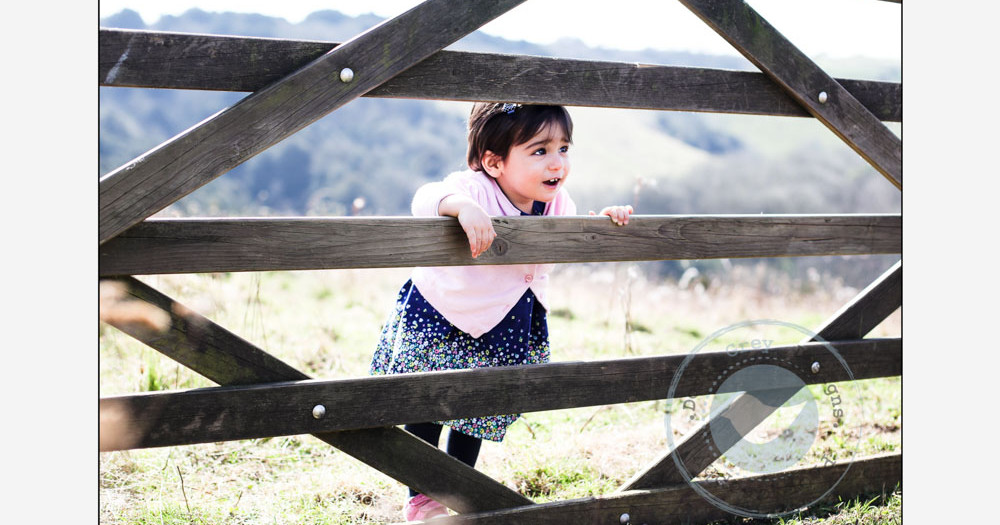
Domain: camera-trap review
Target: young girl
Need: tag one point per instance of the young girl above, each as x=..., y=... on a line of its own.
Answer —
x=474, y=316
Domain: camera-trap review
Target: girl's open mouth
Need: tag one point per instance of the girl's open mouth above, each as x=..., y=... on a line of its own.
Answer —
x=552, y=182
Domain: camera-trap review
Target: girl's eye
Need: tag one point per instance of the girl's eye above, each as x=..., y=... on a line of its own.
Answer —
x=564, y=149
x=539, y=151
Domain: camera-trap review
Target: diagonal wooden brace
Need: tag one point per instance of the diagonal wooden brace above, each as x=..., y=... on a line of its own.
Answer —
x=195, y=157
x=862, y=314
x=822, y=96
x=227, y=359
x=679, y=504
x=869, y=308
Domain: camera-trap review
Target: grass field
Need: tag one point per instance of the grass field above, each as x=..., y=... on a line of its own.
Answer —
x=326, y=324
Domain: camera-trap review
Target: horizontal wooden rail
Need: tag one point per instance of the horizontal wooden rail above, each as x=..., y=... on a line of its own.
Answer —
x=822, y=96
x=680, y=504
x=209, y=349
x=700, y=448
x=275, y=409
x=258, y=244
x=227, y=63
x=158, y=178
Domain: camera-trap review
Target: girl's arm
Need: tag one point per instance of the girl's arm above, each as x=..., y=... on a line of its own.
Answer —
x=618, y=214
x=474, y=220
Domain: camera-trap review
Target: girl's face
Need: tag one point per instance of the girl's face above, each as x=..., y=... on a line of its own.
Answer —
x=534, y=170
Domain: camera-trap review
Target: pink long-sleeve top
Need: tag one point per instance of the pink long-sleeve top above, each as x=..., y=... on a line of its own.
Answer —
x=476, y=298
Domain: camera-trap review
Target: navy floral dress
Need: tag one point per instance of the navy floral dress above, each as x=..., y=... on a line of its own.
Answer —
x=417, y=338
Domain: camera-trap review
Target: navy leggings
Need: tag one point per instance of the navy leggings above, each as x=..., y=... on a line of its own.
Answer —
x=462, y=447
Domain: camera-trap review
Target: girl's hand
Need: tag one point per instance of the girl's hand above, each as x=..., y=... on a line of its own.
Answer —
x=474, y=220
x=478, y=227
x=618, y=214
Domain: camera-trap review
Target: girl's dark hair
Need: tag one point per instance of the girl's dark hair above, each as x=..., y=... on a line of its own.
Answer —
x=497, y=127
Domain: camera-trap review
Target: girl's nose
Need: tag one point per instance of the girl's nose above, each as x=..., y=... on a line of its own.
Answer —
x=557, y=163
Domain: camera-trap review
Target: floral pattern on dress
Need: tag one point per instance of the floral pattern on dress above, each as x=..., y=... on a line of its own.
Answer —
x=417, y=338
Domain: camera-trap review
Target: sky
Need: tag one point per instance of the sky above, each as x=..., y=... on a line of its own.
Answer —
x=817, y=27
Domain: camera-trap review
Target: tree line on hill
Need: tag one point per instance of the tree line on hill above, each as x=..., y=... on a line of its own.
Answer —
x=378, y=151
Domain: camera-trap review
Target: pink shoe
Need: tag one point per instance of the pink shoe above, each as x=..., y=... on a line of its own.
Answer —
x=421, y=507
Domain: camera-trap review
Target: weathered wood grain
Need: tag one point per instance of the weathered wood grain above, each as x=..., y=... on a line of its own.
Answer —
x=858, y=317
x=393, y=451
x=680, y=505
x=869, y=308
x=762, y=44
x=193, y=158
x=429, y=470
x=231, y=245
x=193, y=340
x=274, y=409
x=227, y=63
x=225, y=358
x=702, y=446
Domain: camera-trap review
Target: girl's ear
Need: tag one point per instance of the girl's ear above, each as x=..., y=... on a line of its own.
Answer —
x=492, y=164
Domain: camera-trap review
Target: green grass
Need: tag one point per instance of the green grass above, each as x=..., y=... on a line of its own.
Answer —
x=327, y=323
x=867, y=509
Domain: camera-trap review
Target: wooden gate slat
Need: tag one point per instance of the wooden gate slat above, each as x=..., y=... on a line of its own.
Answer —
x=193, y=158
x=413, y=462
x=869, y=308
x=228, y=63
x=380, y=58
x=762, y=44
x=195, y=341
x=858, y=317
x=679, y=504
x=225, y=358
x=203, y=415
x=230, y=245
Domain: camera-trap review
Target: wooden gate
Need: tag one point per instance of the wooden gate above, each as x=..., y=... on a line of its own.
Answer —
x=294, y=83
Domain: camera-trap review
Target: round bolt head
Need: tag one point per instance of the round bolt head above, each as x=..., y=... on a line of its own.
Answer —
x=346, y=75
x=815, y=367
x=823, y=97
x=319, y=411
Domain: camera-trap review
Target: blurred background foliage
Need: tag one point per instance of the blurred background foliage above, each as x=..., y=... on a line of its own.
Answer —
x=369, y=157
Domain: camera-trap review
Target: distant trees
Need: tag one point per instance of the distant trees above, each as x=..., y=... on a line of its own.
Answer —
x=808, y=180
x=692, y=130
x=377, y=149
x=381, y=150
